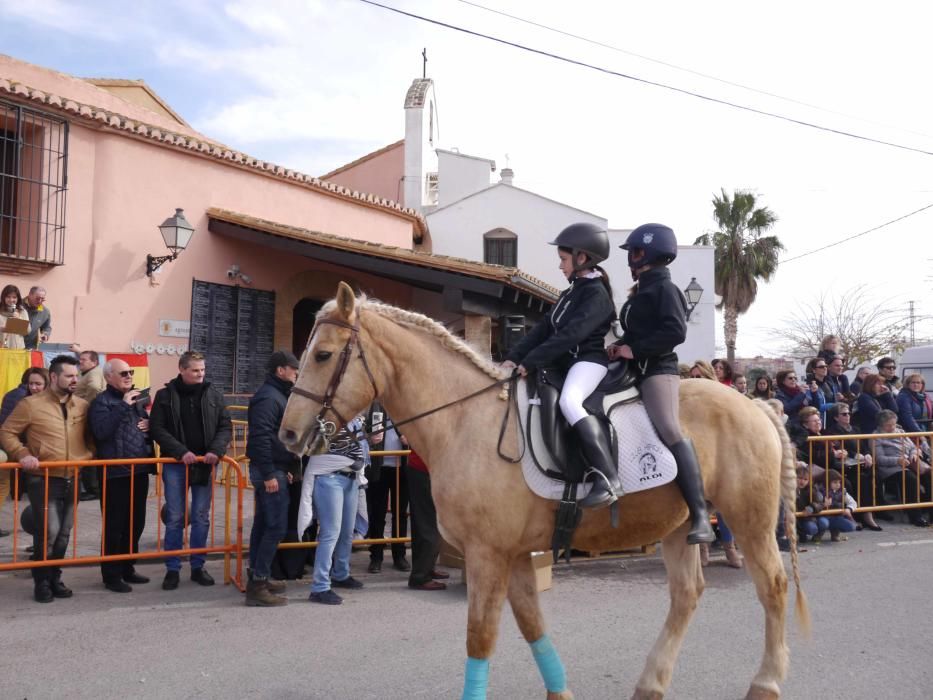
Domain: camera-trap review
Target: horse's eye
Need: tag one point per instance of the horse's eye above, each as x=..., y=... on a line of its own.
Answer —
x=322, y=356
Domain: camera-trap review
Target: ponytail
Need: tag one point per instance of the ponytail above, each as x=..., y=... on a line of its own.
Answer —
x=605, y=280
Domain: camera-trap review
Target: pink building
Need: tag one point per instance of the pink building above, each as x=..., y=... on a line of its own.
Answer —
x=89, y=169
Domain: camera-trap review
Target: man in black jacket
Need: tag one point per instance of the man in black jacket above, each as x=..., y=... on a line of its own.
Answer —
x=189, y=420
x=120, y=425
x=271, y=468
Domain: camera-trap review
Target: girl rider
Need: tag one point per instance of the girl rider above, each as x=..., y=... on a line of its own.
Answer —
x=654, y=321
x=572, y=338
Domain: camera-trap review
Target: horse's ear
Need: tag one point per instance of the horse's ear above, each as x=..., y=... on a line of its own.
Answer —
x=346, y=300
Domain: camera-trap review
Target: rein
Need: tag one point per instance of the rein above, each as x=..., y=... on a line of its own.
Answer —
x=327, y=399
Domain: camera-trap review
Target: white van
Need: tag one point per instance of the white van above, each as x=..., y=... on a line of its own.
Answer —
x=918, y=360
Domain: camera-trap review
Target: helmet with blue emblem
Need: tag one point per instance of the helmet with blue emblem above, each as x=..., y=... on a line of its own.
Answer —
x=657, y=240
x=585, y=238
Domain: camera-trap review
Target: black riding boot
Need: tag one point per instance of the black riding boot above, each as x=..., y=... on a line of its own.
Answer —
x=598, y=454
x=691, y=486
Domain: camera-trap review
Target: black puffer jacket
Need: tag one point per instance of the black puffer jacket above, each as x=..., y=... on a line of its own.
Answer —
x=113, y=422
x=165, y=421
x=654, y=321
x=574, y=331
x=266, y=452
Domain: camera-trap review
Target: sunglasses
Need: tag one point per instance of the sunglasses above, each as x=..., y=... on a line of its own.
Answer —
x=889, y=367
x=819, y=366
x=127, y=373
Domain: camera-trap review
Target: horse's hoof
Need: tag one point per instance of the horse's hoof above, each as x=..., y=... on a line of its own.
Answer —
x=562, y=695
x=758, y=693
x=647, y=695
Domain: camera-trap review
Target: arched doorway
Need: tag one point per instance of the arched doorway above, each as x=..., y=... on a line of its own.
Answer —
x=303, y=322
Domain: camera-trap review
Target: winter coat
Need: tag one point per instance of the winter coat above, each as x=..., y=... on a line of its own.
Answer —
x=13, y=341
x=51, y=434
x=654, y=321
x=114, y=425
x=799, y=435
x=90, y=384
x=914, y=411
x=165, y=421
x=811, y=505
x=867, y=409
x=887, y=453
x=10, y=399
x=793, y=404
x=265, y=451
x=574, y=331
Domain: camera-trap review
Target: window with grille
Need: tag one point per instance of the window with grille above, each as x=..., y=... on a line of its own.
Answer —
x=500, y=247
x=33, y=184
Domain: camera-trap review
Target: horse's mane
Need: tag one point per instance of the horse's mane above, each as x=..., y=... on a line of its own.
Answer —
x=412, y=319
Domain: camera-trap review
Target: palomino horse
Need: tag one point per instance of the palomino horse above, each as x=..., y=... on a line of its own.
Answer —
x=361, y=349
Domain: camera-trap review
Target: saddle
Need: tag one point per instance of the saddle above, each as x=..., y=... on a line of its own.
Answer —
x=566, y=463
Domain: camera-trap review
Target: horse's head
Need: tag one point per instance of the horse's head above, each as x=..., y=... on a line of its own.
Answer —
x=335, y=382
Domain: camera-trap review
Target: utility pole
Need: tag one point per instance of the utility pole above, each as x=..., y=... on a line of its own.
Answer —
x=913, y=337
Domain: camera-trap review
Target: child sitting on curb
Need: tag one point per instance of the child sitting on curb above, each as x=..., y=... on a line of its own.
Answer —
x=838, y=498
x=809, y=502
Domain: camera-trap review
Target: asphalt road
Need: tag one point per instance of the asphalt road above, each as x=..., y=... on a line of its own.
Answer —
x=870, y=599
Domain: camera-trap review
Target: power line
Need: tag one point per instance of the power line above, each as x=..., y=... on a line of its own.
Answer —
x=645, y=81
x=700, y=74
x=857, y=235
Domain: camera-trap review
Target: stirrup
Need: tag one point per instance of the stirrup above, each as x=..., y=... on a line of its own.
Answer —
x=612, y=496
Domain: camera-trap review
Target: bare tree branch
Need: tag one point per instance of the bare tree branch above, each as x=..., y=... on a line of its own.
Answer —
x=866, y=327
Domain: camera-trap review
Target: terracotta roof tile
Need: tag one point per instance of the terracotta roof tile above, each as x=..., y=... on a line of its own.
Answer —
x=511, y=276
x=139, y=129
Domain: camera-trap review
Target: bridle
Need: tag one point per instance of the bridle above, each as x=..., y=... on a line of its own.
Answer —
x=328, y=428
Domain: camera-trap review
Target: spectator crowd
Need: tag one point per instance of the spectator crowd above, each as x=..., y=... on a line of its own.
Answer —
x=80, y=409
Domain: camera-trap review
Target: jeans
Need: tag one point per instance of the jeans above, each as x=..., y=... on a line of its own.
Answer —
x=334, y=501
x=725, y=534
x=199, y=516
x=840, y=523
x=60, y=521
x=812, y=526
x=270, y=517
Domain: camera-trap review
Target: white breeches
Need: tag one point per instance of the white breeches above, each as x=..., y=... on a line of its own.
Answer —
x=582, y=380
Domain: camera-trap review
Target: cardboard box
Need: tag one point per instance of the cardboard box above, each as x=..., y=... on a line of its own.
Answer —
x=451, y=558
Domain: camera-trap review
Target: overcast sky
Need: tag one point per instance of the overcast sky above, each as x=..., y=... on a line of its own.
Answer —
x=314, y=84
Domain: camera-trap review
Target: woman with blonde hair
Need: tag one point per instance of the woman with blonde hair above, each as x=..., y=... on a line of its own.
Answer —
x=829, y=348
x=701, y=369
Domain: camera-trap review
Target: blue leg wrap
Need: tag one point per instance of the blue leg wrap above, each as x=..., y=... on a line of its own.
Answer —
x=476, y=679
x=549, y=665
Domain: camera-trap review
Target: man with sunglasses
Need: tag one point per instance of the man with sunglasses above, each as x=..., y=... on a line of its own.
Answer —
x=887, y=368
x=120, y=425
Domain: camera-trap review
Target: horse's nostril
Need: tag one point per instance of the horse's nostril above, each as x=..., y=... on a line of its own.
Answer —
x=290, y=435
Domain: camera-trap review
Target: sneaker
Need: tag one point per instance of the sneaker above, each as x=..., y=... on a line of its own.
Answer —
x=327, y=597
x=200, y=576
x=170, y=582
x=818, y=537
x=348, y=582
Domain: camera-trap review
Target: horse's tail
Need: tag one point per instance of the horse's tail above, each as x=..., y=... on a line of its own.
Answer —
x=789, y=499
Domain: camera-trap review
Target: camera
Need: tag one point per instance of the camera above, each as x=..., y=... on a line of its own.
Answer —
x=233, y=272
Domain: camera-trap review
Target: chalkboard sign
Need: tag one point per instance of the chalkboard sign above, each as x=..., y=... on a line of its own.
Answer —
x=234, y=327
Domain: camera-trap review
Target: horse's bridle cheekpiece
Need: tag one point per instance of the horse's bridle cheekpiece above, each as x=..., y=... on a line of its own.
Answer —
x=328, y=428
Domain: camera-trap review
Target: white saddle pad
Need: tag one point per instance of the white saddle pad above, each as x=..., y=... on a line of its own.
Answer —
x=644, y=461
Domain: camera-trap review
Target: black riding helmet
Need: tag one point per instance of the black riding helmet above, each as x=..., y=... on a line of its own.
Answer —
x=584, y=238
x=657, y=240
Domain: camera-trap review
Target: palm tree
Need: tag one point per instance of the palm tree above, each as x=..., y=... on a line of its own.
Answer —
x=742, y=256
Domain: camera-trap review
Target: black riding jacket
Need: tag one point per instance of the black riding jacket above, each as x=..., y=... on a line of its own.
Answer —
x=654, y=321
x=574, y=331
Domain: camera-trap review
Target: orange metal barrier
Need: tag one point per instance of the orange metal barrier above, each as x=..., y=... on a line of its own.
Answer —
x=232, y=547
x=864, y=476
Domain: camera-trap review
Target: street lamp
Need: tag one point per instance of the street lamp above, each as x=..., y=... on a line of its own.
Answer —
x=176, y=232
x=693, y=292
